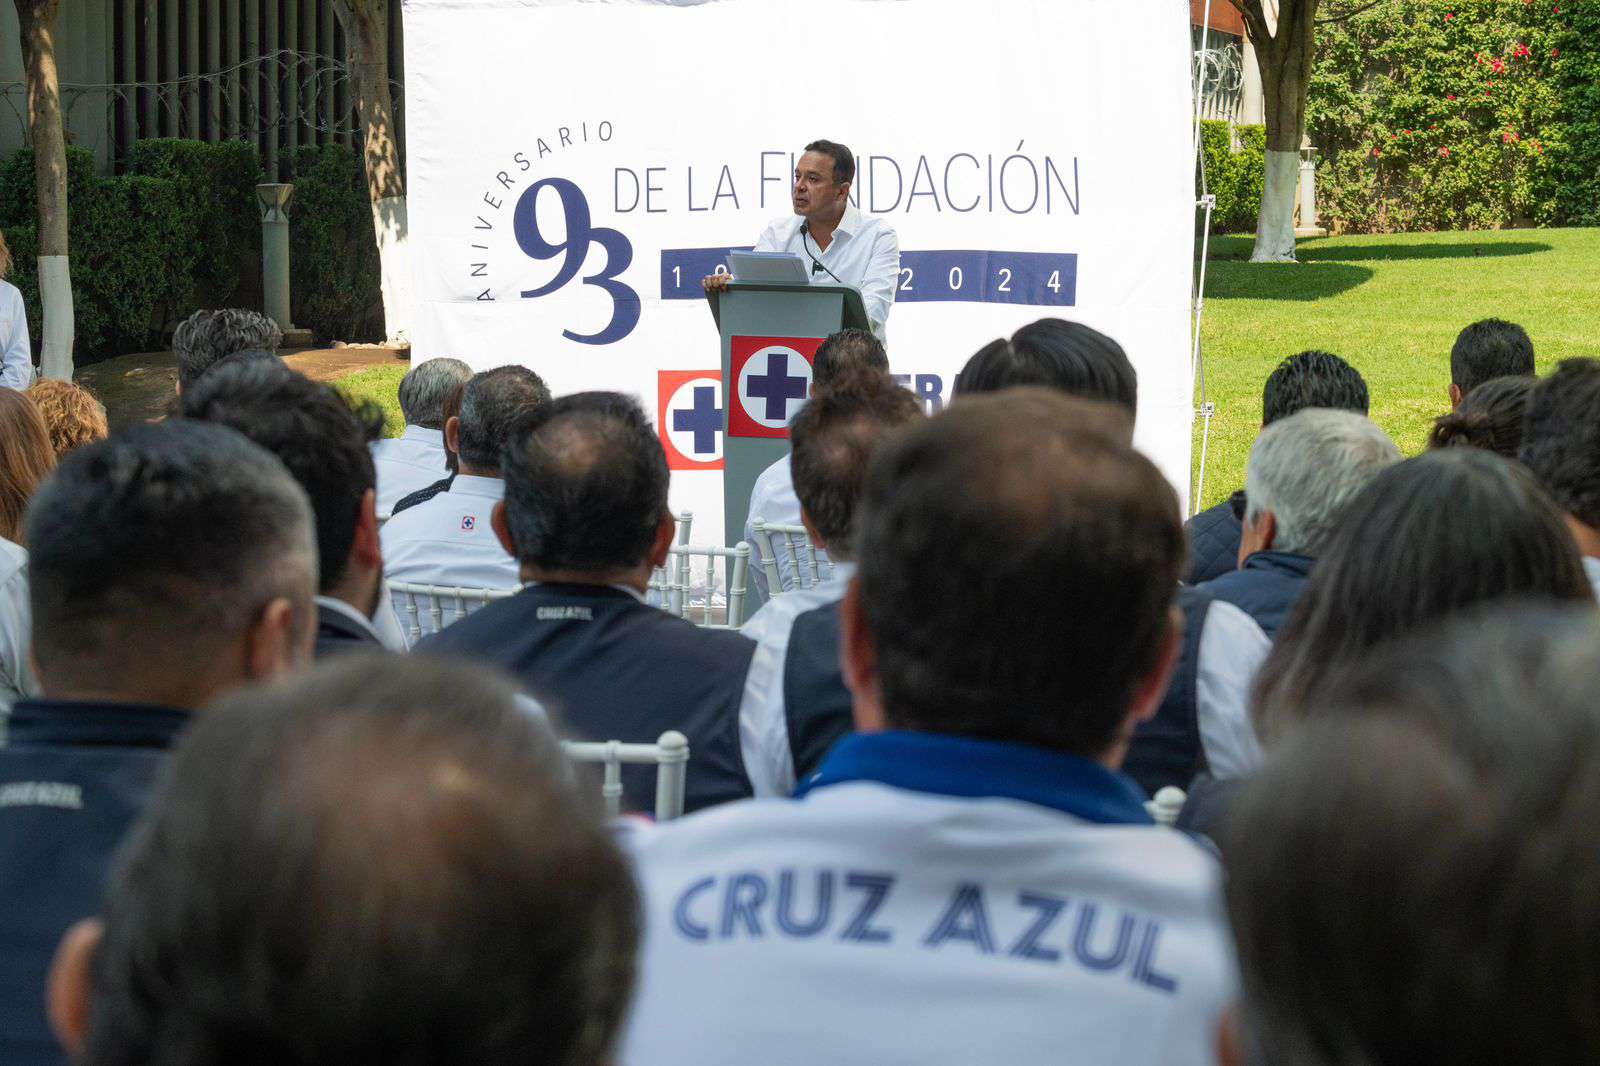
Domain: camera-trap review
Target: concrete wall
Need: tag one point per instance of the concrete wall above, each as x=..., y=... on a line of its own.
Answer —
x=83, y=56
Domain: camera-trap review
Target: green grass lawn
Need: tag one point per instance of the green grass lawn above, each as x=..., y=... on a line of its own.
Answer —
x=1392, y=306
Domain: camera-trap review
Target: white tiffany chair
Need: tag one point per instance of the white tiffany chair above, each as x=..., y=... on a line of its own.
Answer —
x=1168, y=802
x=707, y=585
x=425, y=609
x=660, y=592
x=795, y=543
x=670, y=753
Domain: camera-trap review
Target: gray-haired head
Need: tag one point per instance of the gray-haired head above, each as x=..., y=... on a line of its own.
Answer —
x=205, y=338
x=492, y=402
x=1306, y=467
x=425, y=388
x=154, y=552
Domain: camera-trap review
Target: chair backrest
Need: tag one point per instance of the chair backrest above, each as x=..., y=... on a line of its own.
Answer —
x=1168, y=802
x=425, y=609
x=707, y=585
x=806, y=570
x=660, y=592
x=670, y=753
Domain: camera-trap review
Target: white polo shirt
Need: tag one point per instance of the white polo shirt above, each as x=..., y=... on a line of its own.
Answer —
x=448, y=540
x=412, y=461
x=930, y=900
x=16, y=356
x=864, y=252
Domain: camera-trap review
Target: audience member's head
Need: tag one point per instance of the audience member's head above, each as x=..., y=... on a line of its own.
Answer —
x=1313, y=379
x=169, y=563
x=846, y=351
x=1303, y=470
x=586, y=492
x=492, y=403
x=831, y=441
x=205, y=338
x=321, y=436
x=1487, y=350
x=72, y=416
x=452, y=409
x=1067, y=356
x=1019, y=563
x=1426, y=538
x=1490, y=417
x=26, y=458
x=1561, y=444
x=1406, y=878
x=262, y=911
x=425, y=388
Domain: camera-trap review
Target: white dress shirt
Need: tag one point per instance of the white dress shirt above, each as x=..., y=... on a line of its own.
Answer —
x=16, y=628
x=772, y=500
x=16, y=371
x=448, y=540
x=1591, y=566
x=412, y=461
x=763, y=716
x=1232, y=649
x=958, y=911
x=864, y=253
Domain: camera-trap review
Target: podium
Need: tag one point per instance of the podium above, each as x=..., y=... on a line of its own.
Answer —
x=770, y=332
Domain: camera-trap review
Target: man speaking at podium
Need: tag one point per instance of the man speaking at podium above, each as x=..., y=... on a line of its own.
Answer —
x=839, y=244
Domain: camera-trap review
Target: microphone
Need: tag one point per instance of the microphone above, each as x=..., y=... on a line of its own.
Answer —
x=816, y=264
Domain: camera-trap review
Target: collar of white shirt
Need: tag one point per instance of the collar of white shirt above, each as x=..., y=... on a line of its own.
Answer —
x=342, y=608
x=848, y=226
x=424, y=435
x=491, y=488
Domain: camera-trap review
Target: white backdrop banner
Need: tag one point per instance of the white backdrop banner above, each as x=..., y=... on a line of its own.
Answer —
x=574, y=168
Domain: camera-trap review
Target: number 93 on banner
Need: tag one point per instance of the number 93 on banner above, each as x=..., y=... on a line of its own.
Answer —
x=572, y=250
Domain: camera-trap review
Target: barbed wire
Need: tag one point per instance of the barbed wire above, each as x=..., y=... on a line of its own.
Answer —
x=237, y=100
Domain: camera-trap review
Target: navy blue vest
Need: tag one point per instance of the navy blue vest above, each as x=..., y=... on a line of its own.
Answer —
x=815, y=701
x=1167, y=750
x=73, y=778
x=608, y=667
x=1214, y=536
x=1266, y=588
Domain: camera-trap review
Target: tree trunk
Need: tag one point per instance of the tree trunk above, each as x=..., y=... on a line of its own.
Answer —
x=366, y=31
x=37, y=21
x=1284, y=54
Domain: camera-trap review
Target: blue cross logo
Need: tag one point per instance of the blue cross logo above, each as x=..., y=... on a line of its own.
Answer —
x=704, y=419
x=776, y=386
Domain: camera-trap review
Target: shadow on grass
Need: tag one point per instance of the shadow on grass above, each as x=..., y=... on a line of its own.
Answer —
x=1304, y=281
x=1357, y=253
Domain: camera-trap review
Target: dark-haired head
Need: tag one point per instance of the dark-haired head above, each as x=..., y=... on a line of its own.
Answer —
x=169, y=563
x=1312, y=379
x=844, y=163
x=1067, y=356
x=1561, y=442
x=1490, y=417
x=1018, y=565
x=290, y=929
x=1426, y=538
x=832, y=439
x=1453, y=775
x=845, y=351
x=205, y=338
x=322, y=437
x=1486, y=350
x=492, y=403
x=586, y=490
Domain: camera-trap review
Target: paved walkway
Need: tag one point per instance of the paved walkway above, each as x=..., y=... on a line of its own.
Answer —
x=139, y=387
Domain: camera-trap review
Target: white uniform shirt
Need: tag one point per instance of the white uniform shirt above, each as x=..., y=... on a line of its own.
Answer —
x=927, y=901
x=763, y=716
x=16, y=627
x=772, y=500
x=412, y=461
x=864, y=252
x=1591, y=566
x=448, y=540
x=16, y=356
x=1232, y=649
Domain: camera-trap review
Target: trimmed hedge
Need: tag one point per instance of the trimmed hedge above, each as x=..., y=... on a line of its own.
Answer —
x=1235, y=175
x=182, y=230
x=1458, y=114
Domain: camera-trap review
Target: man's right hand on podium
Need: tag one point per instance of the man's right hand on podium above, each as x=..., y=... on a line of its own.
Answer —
x=716, y=282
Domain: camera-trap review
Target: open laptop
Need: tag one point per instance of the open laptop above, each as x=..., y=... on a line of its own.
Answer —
x=777, y=268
